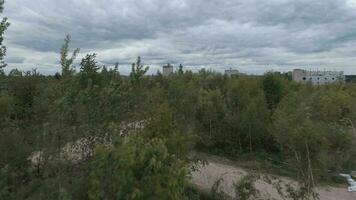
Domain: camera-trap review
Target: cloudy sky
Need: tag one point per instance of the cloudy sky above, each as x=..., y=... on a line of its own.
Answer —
x=250, y=35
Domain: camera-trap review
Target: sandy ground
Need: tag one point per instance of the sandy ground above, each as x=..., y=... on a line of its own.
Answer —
x=217, y=168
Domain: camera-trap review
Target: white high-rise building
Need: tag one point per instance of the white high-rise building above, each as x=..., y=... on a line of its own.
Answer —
x=317, y=77
x=167, y=70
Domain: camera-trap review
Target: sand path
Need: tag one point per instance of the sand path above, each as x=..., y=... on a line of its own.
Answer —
x=217, y=168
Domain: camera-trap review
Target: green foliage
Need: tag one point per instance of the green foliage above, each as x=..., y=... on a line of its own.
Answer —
x=234, y=117
x=66, y=63
x=15, y=72
x=137, y=71
x=13, y=162
x=273, y=87
x=211, y=112
x=180, y=70
x=89, y=71
x=217, y=192
x=4, y=24
x=5, y=105
x=135, y=168
x=312, y=127
x=244, y=189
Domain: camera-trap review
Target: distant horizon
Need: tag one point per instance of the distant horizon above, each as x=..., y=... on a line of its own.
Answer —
x=125, y=69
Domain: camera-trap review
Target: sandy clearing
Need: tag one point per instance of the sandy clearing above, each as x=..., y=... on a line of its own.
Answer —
x=208, y=174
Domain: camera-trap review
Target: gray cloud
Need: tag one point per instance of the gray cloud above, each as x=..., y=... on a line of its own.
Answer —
x=253, y=36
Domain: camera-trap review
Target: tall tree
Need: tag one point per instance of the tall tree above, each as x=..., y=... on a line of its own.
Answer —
x=89, y=65
x=180, y=70
x=273, y=88
x=66, y=62
x=89, y=69
x=4, y=24
x=138, y=70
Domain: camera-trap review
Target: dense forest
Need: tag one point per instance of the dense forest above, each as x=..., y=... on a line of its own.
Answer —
x=135, y=133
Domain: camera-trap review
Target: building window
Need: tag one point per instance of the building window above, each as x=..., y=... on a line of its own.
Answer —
x=304, y=78
x=333, y=78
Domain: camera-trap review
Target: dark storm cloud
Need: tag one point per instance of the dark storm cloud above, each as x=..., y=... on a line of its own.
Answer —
x=281, y=34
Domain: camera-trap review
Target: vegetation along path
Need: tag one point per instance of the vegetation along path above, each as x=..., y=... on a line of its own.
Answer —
x=229, y=172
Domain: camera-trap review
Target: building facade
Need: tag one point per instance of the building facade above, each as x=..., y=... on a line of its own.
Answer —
x=167, y=70
x=317, y=77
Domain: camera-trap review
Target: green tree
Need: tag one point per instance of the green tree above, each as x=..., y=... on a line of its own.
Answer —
x=15, y=73
x=89, y=70
x=135, y=168
x=254, y=121
x=180, y=70
x=310, y=127
x=273, y=87
x=211, y=112
x=137, y=71
x=67, y=63
x=4, y=24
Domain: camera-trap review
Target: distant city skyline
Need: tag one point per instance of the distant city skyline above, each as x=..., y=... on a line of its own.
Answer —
x=252, y=36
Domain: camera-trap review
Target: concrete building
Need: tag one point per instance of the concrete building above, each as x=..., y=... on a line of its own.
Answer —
x=317, y=77
x=232, y=72
x=167, y=70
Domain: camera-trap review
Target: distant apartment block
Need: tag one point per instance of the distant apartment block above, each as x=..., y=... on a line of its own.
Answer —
x=167, y=70
x=232, y=72
x=317, y=77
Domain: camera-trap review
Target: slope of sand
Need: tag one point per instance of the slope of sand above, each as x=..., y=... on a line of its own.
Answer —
x=217, y=168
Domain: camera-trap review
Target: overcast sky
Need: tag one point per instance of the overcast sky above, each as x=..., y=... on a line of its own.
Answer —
x=250, y=35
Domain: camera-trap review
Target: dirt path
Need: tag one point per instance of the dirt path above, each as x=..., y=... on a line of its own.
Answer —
x=221, y=168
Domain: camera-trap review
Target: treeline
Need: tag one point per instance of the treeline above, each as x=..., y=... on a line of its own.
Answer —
x=309, y=128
